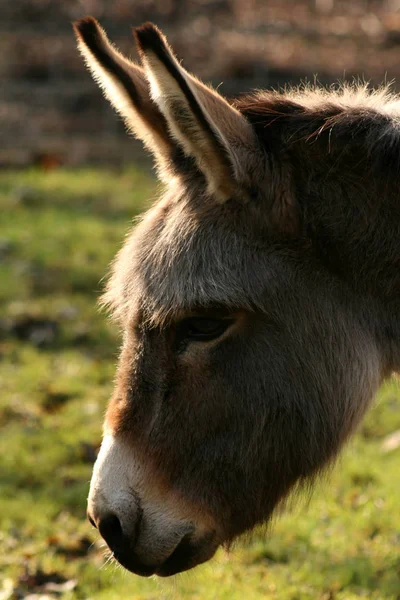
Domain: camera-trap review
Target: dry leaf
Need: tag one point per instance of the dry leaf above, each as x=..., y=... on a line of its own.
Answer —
x=391, y=442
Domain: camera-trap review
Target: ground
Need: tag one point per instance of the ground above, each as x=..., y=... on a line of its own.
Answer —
x=58, y=231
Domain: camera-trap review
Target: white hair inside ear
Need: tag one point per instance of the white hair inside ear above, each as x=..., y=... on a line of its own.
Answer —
x=207, y=127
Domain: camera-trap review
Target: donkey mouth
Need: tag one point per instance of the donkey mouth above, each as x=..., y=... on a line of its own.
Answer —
x=134, y=565
x=187, y=554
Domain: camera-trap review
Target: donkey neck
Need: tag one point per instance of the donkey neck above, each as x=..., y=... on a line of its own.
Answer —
x=356, y=232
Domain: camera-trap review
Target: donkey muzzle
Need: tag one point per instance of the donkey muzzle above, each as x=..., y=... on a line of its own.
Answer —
x=146, y=534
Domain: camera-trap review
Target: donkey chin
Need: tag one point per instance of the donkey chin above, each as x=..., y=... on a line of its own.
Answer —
x=149, y=530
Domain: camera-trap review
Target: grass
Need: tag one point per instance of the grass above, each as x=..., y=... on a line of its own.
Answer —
x=58, y=232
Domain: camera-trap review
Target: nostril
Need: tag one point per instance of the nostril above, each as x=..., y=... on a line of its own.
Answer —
x=91, y=520
x=111, y=530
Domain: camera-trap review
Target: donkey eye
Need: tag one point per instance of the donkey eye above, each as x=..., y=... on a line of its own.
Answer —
x=203, y=328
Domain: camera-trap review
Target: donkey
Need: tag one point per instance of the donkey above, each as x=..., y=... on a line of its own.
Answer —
x=259, y=301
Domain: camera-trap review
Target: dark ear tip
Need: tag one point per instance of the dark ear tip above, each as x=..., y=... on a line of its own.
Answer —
x=86, y=27
x=148, y=36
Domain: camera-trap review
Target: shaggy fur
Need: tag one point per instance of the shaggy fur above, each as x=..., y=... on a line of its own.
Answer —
x=302, y=256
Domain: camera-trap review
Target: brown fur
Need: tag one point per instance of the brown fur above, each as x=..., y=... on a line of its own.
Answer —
x=305, y=258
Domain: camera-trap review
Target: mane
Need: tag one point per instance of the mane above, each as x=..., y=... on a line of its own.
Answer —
x=316, y=99
x=365, y=116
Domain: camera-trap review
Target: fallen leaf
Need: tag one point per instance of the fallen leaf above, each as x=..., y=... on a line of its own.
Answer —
x=67, y=586
x=38, y=597
x=391, y=442
x=8, y=589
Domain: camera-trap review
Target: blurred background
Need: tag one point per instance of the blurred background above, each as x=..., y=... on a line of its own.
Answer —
x=71, y=181
x=51, y=111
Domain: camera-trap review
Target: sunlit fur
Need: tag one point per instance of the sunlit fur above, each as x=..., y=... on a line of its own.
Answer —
x=300, y=248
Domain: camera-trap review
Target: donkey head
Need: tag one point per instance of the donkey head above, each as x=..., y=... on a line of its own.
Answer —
x=244, y=365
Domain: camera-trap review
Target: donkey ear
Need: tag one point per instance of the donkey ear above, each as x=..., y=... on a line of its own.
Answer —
x=216, y=135
x=124, y=84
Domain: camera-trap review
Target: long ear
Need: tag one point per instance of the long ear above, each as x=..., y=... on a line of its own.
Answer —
x=210, y=130
x=124, y=84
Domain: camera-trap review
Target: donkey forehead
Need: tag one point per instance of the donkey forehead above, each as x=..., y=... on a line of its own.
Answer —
x=180, y=258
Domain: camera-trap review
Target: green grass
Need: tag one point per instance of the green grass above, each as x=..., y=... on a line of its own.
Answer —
x=58, y=232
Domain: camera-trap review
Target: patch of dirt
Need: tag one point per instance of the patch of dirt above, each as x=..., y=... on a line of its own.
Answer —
x=39, y=331
x=54, y=399
x=44, y=585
